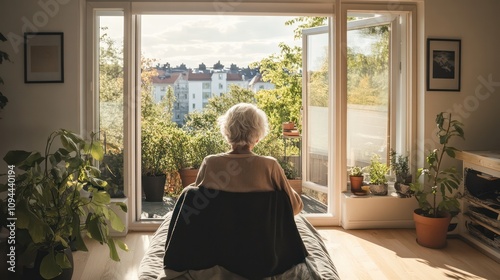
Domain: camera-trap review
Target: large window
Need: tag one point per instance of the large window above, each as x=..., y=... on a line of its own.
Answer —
x=356, y=90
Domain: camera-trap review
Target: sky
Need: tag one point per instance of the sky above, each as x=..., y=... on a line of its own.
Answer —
x=193, y=40
x=231, y=39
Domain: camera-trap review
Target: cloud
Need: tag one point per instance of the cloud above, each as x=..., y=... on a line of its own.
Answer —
x=231, y=39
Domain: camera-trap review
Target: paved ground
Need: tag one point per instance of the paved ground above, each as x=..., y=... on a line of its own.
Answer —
x=156, y=210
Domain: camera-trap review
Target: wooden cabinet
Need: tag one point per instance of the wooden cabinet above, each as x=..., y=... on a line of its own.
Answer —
x=479, y=221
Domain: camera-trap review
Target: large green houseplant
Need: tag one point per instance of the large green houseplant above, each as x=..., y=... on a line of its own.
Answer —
x=441, y=184
x=50, y=210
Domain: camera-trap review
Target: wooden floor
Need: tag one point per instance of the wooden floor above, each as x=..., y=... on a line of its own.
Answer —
x=357, y=254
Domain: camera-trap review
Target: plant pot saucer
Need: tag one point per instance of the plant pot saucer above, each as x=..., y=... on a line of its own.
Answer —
x=360, y=193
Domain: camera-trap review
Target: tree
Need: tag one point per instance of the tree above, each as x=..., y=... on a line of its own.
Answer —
x=285, y=101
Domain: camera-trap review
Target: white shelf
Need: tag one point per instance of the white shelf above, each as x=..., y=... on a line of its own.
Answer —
x=364, y=212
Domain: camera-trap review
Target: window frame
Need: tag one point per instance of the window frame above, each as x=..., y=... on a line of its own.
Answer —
x=132, y=9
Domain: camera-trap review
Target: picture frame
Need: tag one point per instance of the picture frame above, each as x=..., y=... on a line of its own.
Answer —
x=443, y=64
x=43, y=57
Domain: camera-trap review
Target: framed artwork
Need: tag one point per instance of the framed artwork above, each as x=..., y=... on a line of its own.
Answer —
x=43, y=57
x=443, y=64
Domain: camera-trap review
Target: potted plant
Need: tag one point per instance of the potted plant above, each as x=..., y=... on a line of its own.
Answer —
x=180, y=156
x=432, y=219
x=356, y=178
x=292, y=175
x=401, y=168
x=378, y=179
x=154, y=159
x=51, y=214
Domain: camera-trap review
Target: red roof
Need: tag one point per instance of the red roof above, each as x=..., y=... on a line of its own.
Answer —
x=200, y=77
x=166, y=79
x=234, y=77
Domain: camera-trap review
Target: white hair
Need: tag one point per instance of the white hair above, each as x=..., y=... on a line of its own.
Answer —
x=244, y=125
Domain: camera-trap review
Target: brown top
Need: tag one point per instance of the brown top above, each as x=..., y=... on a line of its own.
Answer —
x=246, y=173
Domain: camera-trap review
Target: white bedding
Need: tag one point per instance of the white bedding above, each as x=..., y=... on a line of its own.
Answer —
x=318, y=265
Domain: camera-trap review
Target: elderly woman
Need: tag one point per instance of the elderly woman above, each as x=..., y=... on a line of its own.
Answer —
x=240, y=170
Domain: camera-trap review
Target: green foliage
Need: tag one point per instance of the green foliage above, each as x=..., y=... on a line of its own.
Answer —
x=155, y=146
x=306, y=22
x=356, y=171
x=204, y=143
x=3, y=57
x=368, y=72
x=436, y=179
x=49, y=205
x=112, y=172
x=378, y=171
x=285, y=101
x=289, y=169
x=110, y=70
x=400, y=166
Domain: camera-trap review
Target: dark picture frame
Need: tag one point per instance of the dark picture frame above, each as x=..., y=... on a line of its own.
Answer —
x=43, y=57
x=443, y=64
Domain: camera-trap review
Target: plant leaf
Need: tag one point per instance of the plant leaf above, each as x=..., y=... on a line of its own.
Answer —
x=122, y=245
x=49, y=267
x=97, y=151
x=122, y=206
x=62, y=260
x=116, y=222
x=113, y=253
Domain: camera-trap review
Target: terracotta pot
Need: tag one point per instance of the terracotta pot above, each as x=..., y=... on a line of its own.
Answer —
x=431, y=232
x=356, y=183
x=188, y=176
x=288, y=125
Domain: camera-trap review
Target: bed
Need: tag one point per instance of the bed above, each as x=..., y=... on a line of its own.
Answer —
x=316, y=265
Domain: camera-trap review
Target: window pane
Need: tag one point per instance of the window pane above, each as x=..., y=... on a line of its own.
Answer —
x=111, y=98
x=317, y=111
x=367, y=94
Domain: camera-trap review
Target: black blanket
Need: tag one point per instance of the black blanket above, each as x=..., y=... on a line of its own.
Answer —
x=251, y=234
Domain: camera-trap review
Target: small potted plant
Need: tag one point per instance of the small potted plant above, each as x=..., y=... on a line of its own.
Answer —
x=432, y=219
x=400, y=166
x=356, y=178
x=378, y=179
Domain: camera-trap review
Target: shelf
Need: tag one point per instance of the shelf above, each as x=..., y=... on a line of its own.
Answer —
x=495, y=207
x=493, y=229
x=480, y=224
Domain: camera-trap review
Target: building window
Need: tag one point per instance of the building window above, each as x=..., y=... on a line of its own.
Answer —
x=163, y=88
x=221, y=86
x=206, y=85
x=194, y=106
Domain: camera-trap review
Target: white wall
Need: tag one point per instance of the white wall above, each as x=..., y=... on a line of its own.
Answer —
x=35, y=110
x=476, y=24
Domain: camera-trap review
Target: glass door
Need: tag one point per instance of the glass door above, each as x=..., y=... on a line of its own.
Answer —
x=316, y=114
